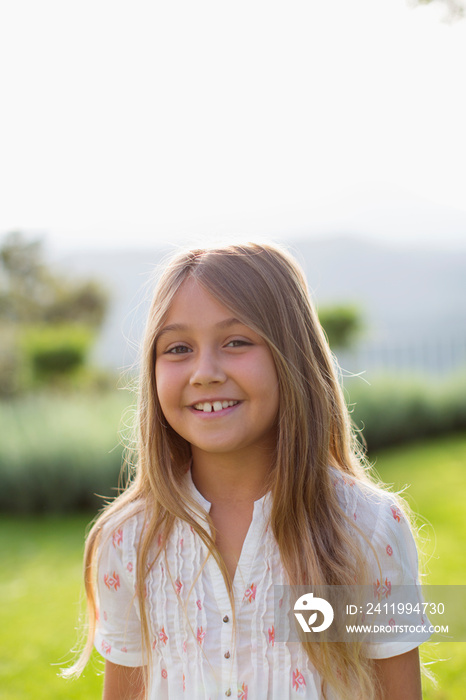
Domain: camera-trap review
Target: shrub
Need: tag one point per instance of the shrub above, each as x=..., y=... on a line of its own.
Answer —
x=58, y=452
x=51, y=351
x=393, y=410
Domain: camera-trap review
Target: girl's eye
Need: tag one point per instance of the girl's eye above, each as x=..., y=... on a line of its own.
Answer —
x=237, y=343
x=178, y=350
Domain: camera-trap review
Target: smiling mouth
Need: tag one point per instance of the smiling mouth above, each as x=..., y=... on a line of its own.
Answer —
x=214, y=407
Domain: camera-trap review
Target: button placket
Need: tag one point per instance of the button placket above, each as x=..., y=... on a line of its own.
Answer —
x=229, y=669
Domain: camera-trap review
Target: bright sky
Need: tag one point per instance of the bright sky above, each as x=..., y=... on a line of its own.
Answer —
x=134, y=123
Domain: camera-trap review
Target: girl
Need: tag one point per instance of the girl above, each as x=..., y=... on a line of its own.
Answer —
x=247, y=476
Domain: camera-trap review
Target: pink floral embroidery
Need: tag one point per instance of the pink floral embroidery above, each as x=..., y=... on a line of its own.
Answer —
x=199, y=604
x=117, y=538
x=200, y=635
x=396, y=512
x=272, y=635
x=178, y=586
x=184, y=646
x=105, y=615
x=243, y=692
x=181, y=544
x=97, y=615
x=250, y=594
x=382, y=590
x=154, y=643
x=389, y=550
x=164, y=673
x=184, y=682
x=298, y=680
x=106, y=647
x=355, y=516
x=112, y=581
x=129, y=566
x=162, y=636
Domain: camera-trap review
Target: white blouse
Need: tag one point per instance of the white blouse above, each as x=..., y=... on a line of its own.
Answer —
x=195, y=653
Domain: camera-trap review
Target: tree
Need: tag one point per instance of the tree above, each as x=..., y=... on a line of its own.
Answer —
x=456, y=9
x=47, y=321
x=30, y=292
x=341, y=324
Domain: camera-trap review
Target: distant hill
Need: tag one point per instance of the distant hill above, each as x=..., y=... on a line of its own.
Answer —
x=406, y=295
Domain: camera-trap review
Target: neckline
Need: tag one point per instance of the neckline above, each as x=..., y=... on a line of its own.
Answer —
x=207, y=505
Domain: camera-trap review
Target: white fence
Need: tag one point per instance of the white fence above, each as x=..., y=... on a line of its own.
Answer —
x=439, y=355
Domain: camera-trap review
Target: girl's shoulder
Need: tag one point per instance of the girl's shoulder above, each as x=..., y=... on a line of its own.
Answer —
x=372, y=508
x=122, y=528
x=382, y=525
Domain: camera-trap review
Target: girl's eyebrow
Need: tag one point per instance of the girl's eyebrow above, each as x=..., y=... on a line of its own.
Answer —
x=226, y=323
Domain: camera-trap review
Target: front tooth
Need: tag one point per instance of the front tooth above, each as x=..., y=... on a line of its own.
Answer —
x=207, y=408
x=217, y=405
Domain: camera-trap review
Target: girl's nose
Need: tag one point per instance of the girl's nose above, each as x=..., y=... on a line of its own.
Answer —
x=207, y=369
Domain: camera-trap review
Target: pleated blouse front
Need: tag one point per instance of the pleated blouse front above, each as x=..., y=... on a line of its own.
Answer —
x=197, y=652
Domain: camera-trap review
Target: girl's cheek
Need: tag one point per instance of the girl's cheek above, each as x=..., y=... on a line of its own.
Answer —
x=169, y=383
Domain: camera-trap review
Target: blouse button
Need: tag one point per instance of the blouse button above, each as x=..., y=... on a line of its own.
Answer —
x=228, y=692
x=226, y=619
x=227, y=655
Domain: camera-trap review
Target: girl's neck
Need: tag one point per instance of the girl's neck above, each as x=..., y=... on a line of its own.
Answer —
x=231, y=479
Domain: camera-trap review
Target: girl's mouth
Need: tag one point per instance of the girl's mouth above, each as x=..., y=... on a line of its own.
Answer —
x=214, y=407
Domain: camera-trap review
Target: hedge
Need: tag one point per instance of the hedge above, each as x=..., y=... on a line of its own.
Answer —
x=392, y=410
x=58, y=452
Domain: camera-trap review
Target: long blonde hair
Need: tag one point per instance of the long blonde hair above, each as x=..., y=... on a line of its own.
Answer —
x=266, y=289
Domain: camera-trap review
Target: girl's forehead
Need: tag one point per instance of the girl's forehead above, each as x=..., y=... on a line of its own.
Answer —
x=192, y=300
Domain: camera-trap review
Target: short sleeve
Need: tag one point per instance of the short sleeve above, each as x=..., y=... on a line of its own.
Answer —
x=118, y=635
x=396, y=565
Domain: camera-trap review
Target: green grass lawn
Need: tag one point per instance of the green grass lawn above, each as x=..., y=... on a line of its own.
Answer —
x=40, y=578
x=40, y=584
x=436, y=473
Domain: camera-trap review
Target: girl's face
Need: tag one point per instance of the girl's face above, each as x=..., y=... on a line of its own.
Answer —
x=216, y=378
